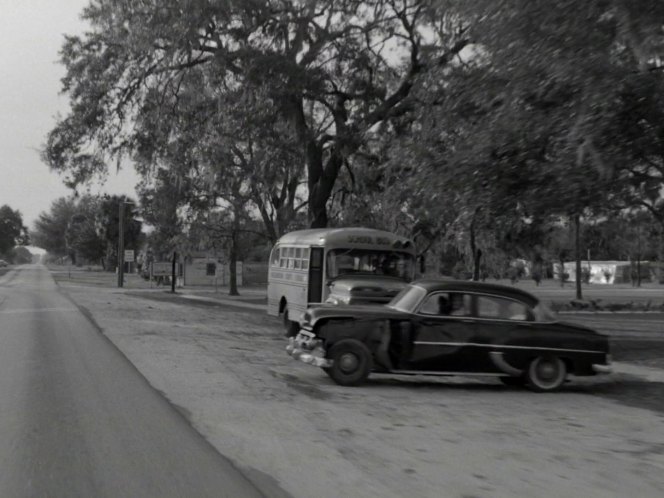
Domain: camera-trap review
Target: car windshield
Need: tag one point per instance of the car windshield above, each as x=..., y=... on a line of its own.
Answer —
x=372, y=262
x=408, y=299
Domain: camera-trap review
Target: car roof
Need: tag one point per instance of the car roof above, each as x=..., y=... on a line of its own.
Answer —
x=431, y=284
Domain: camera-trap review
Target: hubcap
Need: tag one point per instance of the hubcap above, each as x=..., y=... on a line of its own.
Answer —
x=547, y=373
x=348, y=362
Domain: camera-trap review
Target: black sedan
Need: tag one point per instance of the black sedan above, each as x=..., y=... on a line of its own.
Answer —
x=442, y=327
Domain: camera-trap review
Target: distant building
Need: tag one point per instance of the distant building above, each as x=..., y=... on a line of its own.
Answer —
x=209, y=270
x=605, y=272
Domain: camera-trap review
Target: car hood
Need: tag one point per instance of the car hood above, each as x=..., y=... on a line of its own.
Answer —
x=357, y=312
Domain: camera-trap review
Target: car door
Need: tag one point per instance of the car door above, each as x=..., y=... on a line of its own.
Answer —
x=505, y=327
x=443, y=330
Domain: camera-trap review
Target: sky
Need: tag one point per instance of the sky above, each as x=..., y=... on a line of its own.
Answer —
x=31, y=34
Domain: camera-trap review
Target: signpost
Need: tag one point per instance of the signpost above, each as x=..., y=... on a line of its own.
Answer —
x=129, y=255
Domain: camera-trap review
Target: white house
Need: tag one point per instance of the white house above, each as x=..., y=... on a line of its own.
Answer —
x=604, y=272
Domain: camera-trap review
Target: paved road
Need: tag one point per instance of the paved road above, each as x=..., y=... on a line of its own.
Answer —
x=77, y=419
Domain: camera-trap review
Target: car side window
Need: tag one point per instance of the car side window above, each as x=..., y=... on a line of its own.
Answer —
x=446, y=304
x=502, y=309
x=430, y=305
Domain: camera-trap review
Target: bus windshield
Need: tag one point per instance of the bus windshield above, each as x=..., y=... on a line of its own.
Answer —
x=374, y=262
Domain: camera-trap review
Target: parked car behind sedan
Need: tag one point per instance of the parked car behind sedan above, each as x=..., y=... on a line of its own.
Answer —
x=3, y=263
x=364, y=289
x=443, y=327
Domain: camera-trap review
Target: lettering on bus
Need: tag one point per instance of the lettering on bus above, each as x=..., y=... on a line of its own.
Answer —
x=368, y=239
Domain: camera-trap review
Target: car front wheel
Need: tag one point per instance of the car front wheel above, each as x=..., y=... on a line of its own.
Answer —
x=351, y=362
x=546, y=373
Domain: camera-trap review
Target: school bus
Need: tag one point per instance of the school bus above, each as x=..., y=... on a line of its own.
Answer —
x=305, y=263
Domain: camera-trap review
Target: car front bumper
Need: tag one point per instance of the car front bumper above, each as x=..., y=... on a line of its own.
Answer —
x=306, y=348
x=602, y=369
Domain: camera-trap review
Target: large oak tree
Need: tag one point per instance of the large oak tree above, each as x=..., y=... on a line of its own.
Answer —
x=334, y=69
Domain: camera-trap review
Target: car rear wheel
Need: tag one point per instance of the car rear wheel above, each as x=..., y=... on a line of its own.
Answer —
x=291, y=327
x=546, y=373
x=351, y=362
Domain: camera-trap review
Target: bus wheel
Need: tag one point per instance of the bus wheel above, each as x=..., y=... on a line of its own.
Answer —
x=291, y=327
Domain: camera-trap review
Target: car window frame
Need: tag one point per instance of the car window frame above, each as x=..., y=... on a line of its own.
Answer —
x=473, y=307
x=530, y=314
x=474, y=295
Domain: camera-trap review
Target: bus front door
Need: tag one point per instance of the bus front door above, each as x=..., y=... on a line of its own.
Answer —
x=316, y=276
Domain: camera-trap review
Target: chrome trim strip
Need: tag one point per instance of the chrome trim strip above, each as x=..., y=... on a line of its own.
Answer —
x=503, y=346
x=440, y=374
x=501, y=364
x=482, y=319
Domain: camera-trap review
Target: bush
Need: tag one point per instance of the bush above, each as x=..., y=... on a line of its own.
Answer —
x=585, y=275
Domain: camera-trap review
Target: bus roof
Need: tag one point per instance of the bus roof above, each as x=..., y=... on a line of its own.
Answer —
x=348, y=237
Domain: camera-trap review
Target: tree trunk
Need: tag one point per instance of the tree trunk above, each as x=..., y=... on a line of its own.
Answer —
x=577, y=255
x=474, y=251
x=232, y=282
x=477, y=264
x=322, y=175
x=232, y=266
x=638, y=258
x=660, y=256
x=320, y=189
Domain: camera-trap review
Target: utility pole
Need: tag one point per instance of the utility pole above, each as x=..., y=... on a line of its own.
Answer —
x=121, y=244
x=174, y=271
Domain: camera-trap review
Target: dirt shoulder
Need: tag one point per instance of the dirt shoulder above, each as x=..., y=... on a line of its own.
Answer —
x=295, y=432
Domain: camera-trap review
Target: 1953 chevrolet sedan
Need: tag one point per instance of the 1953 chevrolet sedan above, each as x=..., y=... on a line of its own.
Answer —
x=443, y=327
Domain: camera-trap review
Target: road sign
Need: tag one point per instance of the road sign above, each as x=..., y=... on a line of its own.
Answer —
x=129, y=256
x=162, y=269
